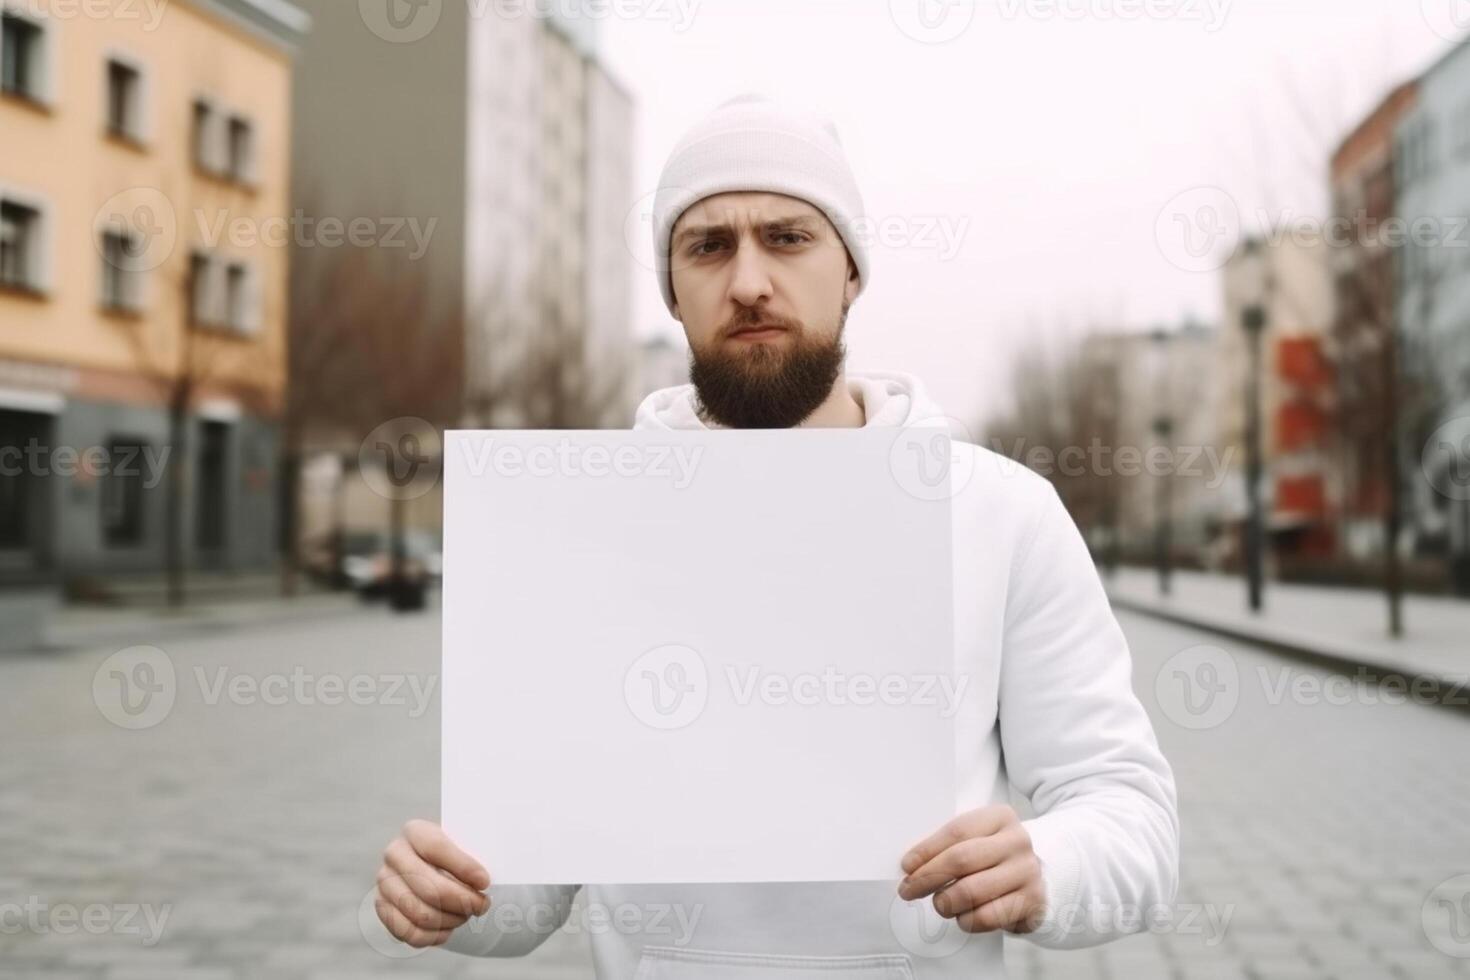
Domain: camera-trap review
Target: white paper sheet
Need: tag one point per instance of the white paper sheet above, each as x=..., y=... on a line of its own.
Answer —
x=695, y=656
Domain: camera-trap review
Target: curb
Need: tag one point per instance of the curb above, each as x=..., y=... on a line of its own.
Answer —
x=1452, y=692
x=63, y=639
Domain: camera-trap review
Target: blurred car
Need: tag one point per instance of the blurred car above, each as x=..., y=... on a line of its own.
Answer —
x=364, y=563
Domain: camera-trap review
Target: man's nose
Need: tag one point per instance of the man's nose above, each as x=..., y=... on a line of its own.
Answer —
x=750, y=279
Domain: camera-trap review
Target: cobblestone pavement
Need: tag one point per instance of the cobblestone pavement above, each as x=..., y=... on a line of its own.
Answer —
x=234, y=833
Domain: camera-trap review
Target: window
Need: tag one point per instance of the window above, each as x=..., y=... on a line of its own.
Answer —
x=206, y=136
x=242, y=149
x=121, y=279
x=211, y=488
x=201, y=291
x=19, y=232
x=25, y=491
x=124, y=100
x=222, y=294
x=20, y=57
x=237, y=300
x=224, y=143
x=121, y=492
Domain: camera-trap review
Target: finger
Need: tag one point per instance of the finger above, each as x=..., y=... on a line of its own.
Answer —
x=432, y=844
x=965, y=858
x=973, y=823
x=973, y=891
x=405, y=931
x=1006, y=912
x=441, y=891
x=392, y=887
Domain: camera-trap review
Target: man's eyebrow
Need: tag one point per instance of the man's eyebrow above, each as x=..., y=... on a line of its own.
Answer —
x=775, y=224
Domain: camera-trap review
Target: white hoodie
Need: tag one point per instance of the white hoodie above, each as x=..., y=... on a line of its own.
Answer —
x=1050, y=708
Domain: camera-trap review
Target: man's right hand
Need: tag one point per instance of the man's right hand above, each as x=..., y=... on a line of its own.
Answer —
x=427, y=886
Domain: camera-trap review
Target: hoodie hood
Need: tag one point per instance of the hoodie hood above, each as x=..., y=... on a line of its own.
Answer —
x=888, y=398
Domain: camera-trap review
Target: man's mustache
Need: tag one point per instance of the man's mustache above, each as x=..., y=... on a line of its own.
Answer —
x=747, y=322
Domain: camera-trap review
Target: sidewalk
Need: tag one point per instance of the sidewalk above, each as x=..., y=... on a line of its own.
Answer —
x=75, y=627
x=1338, y=627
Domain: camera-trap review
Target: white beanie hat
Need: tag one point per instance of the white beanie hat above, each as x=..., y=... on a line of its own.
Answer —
x=753, y=143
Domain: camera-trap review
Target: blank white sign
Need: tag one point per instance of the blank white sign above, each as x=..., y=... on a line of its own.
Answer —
x=717, y=656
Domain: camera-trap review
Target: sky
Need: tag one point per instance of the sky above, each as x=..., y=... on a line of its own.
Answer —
x=1030, y=159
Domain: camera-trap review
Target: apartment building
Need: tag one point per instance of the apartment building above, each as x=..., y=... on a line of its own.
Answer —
x=1431, y=173
x=1284, y=279
x=1364, y=335
x=144, y=162
x=499, y=127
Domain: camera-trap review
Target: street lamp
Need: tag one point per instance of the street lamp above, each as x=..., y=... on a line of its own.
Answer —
x=1255, y=280
x=1163, y=431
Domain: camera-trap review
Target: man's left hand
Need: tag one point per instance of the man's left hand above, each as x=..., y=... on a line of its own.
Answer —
x=981, y=871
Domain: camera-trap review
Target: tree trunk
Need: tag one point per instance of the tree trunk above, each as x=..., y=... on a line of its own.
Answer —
x=1392, y=572
x=290, y=544
x=175, y=544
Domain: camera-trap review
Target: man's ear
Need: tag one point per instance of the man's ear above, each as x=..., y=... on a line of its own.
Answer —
x=850, y=288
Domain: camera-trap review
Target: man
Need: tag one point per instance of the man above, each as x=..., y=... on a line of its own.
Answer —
x=759, y=260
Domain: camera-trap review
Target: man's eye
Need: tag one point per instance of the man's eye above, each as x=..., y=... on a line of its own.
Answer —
x=790, y=237
x=700, y=248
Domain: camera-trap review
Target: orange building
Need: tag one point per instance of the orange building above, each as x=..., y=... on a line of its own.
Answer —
x=145, y=164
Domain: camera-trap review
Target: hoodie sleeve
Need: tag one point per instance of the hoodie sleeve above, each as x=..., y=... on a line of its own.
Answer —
x=1078, y=743
x=519, y=919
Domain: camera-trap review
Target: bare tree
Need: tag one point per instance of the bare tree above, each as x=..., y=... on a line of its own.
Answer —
x=1061, y=401
x=370, y=344
x=543, y=375
x=181, y=359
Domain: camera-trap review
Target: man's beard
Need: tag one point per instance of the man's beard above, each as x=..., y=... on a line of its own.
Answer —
x=766, y=385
